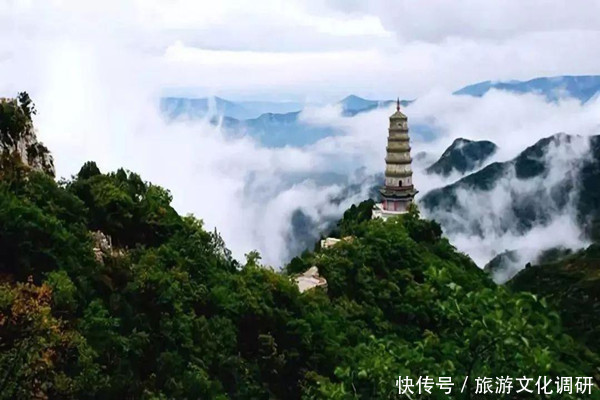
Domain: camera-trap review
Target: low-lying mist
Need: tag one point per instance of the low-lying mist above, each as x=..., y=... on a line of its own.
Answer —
x=522, y=214
x=251, y=193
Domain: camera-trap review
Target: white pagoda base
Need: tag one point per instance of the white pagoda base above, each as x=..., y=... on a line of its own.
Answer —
x=379, y=212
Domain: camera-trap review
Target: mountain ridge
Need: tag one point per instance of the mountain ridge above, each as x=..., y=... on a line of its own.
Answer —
x=272, y=129
x=463, y=156
x=106, y=292
x=581, y=87
x=558, y=176
x=276, y=124
x=176, y=107
x=572, y=285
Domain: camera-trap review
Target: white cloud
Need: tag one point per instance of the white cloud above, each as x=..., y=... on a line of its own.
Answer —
x=486, y=223
x=91, y=109
x=512, y=121
x=96, y=69
x=435, y=20
x=313, y=49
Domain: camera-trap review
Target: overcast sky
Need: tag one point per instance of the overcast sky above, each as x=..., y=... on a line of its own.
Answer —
x=96, y=69
x=303, y=50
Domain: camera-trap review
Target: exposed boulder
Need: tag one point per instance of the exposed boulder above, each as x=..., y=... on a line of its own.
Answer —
x=102, y=245
x=310, y=279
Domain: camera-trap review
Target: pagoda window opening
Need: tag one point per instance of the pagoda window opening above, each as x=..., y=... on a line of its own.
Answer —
x=400, y=183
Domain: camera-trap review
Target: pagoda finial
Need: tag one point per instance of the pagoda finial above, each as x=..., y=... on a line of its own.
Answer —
x=398, y=104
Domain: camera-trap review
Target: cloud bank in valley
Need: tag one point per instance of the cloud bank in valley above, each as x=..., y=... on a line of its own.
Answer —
x=250, y=193
x=514, y=122
x=96, y=73
x=483, y=223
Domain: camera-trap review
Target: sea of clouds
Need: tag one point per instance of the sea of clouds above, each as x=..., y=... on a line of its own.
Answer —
x=250, y=193
x=513, y=122
x=97, y=72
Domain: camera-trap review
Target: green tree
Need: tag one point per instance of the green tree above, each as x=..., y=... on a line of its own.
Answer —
x=26, y=104
x=41, y=357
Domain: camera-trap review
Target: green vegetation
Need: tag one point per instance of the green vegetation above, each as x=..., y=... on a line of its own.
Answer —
x=15, y=117
x=17, y=136
x=164, y=311
x=572, y=286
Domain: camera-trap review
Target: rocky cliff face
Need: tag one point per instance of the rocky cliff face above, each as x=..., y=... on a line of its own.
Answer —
x=17, y=135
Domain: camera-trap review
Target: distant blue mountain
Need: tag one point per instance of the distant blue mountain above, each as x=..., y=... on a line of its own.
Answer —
x=279, y=130
x=582, y=88
x=175, y=107
x=353, y=105
x=272, y=129
x=276, y=130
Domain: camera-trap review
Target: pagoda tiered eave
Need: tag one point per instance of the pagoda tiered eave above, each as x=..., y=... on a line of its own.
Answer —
x=406, y=193
x=400, y=174
x=398, y=158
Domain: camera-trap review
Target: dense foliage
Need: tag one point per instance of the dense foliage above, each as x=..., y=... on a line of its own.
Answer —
x=161, y=310
x=15, y=116
x=572, y=286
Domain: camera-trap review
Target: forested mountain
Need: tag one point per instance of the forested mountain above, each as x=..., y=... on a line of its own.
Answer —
x=107, y=293
x=557, y=172
x=572, y=285
x=463, y=156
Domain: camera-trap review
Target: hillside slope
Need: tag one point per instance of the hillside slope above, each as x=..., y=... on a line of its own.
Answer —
x=572, y=287
x=107, y=293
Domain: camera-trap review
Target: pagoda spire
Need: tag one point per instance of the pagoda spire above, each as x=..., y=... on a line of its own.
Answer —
x=398, y=104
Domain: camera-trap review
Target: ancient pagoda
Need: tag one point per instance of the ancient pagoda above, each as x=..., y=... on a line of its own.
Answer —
x=398, y=192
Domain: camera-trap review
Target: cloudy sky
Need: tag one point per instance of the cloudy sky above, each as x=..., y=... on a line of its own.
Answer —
x=97, y=69
x=305, y=50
